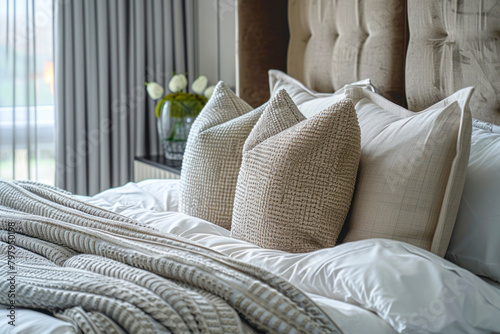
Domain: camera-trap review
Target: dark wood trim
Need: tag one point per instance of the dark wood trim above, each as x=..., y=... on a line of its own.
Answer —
x=159, y=161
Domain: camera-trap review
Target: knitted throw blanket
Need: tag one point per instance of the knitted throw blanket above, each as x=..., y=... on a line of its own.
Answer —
x=107, y=273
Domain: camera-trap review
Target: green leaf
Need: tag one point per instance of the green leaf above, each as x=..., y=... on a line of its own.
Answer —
x=182, y=104
x=159, y=107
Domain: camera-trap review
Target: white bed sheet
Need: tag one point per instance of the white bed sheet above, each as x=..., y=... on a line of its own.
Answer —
x=155, y=203
x=410, y=289
x=369, y=286
x=33, y=322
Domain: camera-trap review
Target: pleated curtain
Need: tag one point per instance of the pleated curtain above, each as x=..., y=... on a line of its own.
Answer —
x=105, y=51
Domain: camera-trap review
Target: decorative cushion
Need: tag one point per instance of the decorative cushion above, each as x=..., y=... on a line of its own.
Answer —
x=475, y=241
x=213, y=156
x=297, y=177
x=308, y=101
x=412, y=169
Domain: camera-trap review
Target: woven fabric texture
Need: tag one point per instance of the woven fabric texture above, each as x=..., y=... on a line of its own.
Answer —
x=412, y=170
x=213, y=156
x=103, y=271
x=454, y=44
x=334, y=43
x=297, y=177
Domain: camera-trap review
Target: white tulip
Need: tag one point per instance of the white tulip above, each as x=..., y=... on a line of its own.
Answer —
x=154, y=90
x=209, y=91
x=177, y=83
x=200, y=84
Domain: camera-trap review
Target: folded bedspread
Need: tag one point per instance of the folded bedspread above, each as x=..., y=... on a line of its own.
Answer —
x=107, y=273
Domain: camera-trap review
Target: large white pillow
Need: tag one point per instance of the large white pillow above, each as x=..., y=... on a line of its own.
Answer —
x=475, y=243
x=307, y=100
x=412, y=169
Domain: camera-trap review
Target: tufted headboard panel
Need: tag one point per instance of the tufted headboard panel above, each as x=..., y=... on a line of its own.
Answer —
x=333, y=43
x=416, y=52
x=454, y=44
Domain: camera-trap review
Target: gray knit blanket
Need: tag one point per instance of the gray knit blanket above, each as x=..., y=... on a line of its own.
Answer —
x=107, y=273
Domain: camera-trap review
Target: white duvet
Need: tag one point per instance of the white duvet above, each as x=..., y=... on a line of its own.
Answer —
x=370, y=286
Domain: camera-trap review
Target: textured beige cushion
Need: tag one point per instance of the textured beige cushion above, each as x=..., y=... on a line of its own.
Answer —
x=412, y=169
x=213, y=156
x=297, y=177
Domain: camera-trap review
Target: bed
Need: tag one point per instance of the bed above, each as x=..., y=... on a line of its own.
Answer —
x=434, y=268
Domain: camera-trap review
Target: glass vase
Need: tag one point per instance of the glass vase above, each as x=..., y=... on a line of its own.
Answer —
x=174, y=124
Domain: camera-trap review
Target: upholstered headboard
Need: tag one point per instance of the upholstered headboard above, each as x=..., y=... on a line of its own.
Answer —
x=333, y=43
x=451, y=45
x=454, y=44
x=416, y=52
x=262, y=44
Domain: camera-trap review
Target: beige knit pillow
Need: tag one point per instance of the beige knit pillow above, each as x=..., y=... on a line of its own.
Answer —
x=213, y=156
x=297, y=177
x=412, y=169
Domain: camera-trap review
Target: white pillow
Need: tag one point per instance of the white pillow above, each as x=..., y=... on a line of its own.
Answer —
x=308, y=101
x=475, y=243
x=412, y=169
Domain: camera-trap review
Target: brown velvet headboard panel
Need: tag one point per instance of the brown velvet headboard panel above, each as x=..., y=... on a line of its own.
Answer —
x=262, y=45
x=454, y=44
x=333, y=43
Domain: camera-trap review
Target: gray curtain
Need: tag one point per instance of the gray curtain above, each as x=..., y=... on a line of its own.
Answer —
x=105, y=50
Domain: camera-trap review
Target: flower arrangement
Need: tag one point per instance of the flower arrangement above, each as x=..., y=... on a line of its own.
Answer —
x=176, y=111
x=192, y=102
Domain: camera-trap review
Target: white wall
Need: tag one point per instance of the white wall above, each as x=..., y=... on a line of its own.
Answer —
x=216, y=40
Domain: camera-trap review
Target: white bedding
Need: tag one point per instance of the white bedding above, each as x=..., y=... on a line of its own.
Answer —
x=370, y=286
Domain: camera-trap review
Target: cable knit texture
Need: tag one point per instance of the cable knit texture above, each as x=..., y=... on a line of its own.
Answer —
x=107, y=273
x=213, y=156
x=297, y=177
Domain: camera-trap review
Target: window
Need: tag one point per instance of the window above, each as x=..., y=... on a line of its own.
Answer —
x=26, y=91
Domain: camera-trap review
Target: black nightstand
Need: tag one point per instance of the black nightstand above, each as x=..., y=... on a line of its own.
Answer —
x=156, y=167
